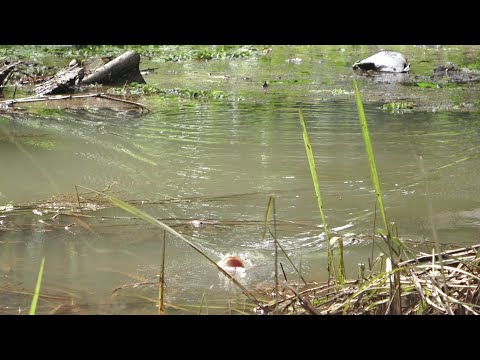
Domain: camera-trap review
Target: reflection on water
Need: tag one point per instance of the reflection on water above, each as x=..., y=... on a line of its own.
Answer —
x=207, y=169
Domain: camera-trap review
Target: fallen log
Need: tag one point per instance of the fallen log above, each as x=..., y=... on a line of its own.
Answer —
x=63, y=82
x=91, y=64
x=120, y=71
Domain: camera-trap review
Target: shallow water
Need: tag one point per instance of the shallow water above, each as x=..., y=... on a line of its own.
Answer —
x=220, y=161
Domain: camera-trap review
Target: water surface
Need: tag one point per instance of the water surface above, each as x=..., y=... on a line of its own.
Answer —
x=218, y=161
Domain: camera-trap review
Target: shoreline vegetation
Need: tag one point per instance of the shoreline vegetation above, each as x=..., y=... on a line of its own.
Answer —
x=430, y=86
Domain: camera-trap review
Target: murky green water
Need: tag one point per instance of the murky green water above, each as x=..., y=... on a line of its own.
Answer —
x=220, y=161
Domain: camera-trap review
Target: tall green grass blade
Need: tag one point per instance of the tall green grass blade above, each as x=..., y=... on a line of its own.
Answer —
x=393, y=243
x=271, y=209
x=267, y=215
x=276, y=257
x=313, y=171
x=161, y=285
x=201, y=304
x=341, y=263
x=371, y=158
x=150, y=219
x=276, y=276
x=33, y=306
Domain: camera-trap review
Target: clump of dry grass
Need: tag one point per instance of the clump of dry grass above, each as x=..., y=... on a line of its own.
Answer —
x=422, y=289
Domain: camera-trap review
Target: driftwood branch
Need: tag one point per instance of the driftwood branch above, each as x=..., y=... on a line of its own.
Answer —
x=32, y=99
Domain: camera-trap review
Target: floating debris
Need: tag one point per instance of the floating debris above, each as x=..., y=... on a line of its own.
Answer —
x=294, y=61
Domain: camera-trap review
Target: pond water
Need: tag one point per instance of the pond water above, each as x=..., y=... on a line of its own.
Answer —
x=207, y=168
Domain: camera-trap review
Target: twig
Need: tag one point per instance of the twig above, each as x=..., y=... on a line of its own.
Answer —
x=283, y=271
x=8, y=77
x=161, y=287
x=64, y=97
x=288, y=258
x=304, y=302
x=149, y=69
x=124, y=101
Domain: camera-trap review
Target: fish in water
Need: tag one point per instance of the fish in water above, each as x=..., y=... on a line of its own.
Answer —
x=384, y=61
x=235, y=265
x=232, y=261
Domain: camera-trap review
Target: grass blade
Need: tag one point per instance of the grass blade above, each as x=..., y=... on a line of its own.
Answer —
x=271, y=209
x=313, y=171
x=33, y=306
x=150, y=219
x=371, y=158
x=267, y=215
x=341, y=262
x=394, y=244
x=161, y=287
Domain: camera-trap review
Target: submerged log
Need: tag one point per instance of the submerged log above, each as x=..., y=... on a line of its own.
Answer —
x=120, y=71
x=63, y=82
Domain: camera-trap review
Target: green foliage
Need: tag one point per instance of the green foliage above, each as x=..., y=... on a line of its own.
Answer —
x=165, y=53
x=210, y=53
x=426, y=85
x=473, y=66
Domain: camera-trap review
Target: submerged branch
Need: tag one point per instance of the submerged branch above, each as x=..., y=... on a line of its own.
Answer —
x=32, y=99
